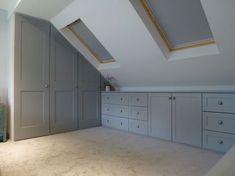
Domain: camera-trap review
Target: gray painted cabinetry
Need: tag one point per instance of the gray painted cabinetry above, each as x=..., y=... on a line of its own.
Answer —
x=55, y=89
x=218, y=121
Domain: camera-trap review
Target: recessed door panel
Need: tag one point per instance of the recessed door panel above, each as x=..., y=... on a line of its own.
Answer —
x=31, y=93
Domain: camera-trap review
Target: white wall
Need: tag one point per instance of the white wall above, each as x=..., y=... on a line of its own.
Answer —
x=4, y=61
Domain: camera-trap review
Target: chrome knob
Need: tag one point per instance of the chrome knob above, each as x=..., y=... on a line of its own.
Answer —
x=46, y=85
x=220, y=122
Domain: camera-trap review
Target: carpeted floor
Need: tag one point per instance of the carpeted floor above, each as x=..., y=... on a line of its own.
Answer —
x=102, y=152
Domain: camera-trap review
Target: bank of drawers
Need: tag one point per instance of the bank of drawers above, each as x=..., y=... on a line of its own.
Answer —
x=218, y=121
x=125, y=111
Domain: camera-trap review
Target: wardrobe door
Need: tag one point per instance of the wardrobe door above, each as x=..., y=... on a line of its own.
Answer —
x=89, y=95
x=187, y=118
x=31, y=78
x=160, y=115
x=63, y=89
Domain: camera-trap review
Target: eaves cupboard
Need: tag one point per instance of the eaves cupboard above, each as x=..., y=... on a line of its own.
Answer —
x=199, y=119
x=55, y=88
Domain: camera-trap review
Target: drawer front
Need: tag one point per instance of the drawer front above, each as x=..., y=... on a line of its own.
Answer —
x=121, y=123
x=107, y=121
x=115, y=110
x=139, y=127
x=221, y=142
x=138, y=99
x=115, y=98
x=219, y=102
x=138, y=113
x=219, y=122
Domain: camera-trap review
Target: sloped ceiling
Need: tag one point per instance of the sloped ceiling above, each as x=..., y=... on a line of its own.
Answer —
x=140, y=61
x=142, y=64
x=45, y=9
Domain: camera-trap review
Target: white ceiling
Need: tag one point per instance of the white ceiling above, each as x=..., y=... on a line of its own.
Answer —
x=8, y=5
x=122, y=32
x=45, y=9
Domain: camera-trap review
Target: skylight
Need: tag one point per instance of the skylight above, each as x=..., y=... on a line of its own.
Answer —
x=88, y=39
x=182, y=24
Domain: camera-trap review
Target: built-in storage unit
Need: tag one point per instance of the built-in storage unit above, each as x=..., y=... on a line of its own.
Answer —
x=55, y=89
x=3, y=133
x=125, y=111
x=218, y=121
x=168, y=116
x=176, y=117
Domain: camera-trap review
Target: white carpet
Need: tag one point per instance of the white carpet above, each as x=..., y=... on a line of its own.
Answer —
x=102, y=152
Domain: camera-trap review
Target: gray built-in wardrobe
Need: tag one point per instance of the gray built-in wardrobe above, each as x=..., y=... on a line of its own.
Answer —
x=55, y=88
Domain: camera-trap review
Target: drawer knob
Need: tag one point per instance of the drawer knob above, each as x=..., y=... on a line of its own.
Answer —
x=107, y=121
x=138, y=126
x=107, y=98
x=170, y=98
x=220, y=103
x=121, y=123
x=138, y=113
x=121, y=99
x=121, y=110
x=107, y=109
x=220, y=142
x=137, y=99
x=220, y=122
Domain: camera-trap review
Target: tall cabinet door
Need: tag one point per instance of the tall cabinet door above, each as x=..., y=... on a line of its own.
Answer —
x=160, y=115
x=63, y=88
x=31, y=78
x=187, y=118
x=89, y=95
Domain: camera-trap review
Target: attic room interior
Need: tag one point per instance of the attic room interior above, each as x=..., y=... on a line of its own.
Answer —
x=117, y=88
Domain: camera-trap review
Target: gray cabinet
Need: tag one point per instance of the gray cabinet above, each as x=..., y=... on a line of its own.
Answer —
x=63, y=84
x=31, y=78
x=187, y=118
x=218, y=121
x=51, y=94
x=160, y=115
x=89, y=95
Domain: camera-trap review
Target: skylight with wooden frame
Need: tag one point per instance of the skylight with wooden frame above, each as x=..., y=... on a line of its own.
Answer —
x=182, y=24
x=88, y=39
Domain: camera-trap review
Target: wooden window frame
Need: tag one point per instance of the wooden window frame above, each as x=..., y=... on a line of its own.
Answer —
x=163, y=34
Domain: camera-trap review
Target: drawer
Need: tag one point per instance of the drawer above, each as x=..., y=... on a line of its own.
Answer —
x=115, y=110
x=107, y=121
x=219, y=102
x=139, y=127
x=115, y=122
x=115, y=98
x=138, y=113
x=221, y=142
x=120, y=123
x=219, y=122
x=138, y=99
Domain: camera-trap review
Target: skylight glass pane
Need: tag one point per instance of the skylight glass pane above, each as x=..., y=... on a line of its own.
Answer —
x=90, y=41
x=181, y=21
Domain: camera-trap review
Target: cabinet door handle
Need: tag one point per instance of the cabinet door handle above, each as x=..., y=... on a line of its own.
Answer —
x=121, y=123
x=170, y=98
x=121, y=99
x=107, y=109
x=107, y=121
x=174, y=98
x=46, y=85
x=138, y=126
x=121, y=110
x=138, y=113
x=220, y=103
x=220, y=122
x=137, y=99
x=220, y=142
